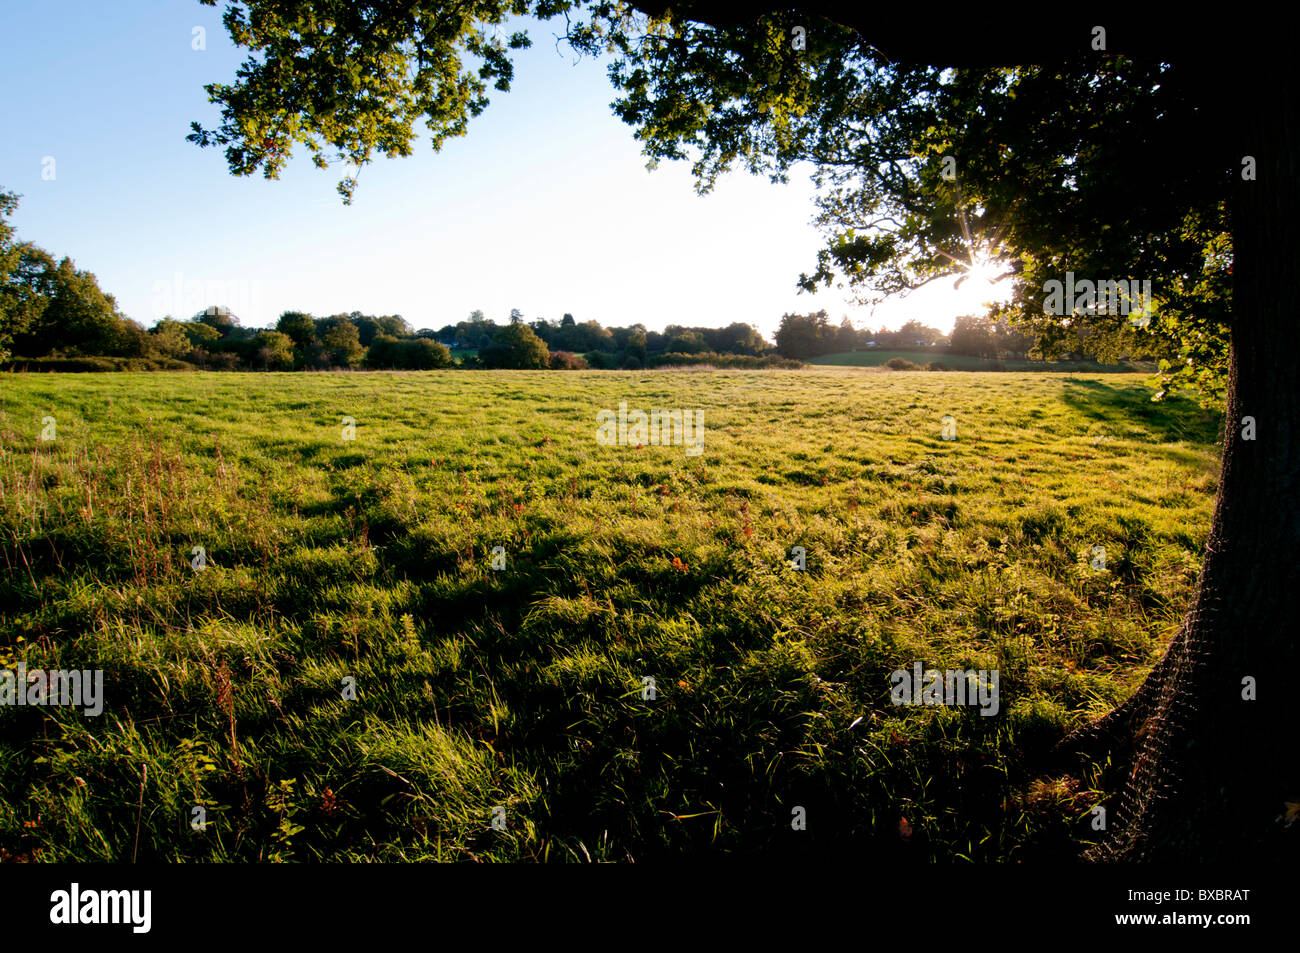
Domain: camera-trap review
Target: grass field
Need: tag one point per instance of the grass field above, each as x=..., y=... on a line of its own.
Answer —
x=963, y=362
x=516, y=696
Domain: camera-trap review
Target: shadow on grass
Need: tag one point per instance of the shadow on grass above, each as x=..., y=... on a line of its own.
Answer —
x=1176, y=418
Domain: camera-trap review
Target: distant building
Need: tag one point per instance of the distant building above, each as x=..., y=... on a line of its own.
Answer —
x=871, y=344
x=217, y=316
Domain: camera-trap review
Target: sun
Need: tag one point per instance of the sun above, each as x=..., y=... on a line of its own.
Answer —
x=978, y=285
x=983, y=272
x=984, y=282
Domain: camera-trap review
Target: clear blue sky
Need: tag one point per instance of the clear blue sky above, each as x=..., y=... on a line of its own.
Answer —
x=546, y=204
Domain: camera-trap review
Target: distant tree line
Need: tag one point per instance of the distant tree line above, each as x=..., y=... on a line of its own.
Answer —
x=570, y=343
x=803, y=336
x=810, y=335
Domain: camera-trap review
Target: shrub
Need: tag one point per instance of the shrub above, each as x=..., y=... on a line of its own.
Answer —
x=407, y=354
x=92, y=364
x=316, y=357
x=424, y=354
x=567, y=361
x=382, y=351
x=776, y=360
x=901, y=364
x=274, y=350
x=935, y=366
x=714, y=359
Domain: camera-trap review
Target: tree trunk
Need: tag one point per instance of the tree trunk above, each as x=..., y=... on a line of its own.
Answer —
x=1211, y=771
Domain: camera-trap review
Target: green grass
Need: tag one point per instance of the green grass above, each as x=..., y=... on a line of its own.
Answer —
x=962, y=362
x=522, y=689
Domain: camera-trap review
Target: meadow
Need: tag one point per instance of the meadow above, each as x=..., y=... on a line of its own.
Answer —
x=504, y=713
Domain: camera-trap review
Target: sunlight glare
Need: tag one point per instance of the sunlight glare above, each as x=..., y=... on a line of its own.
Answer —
x=982, y=287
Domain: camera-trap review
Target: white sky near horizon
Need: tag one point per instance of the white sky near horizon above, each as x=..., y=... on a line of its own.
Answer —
x=546, y=204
